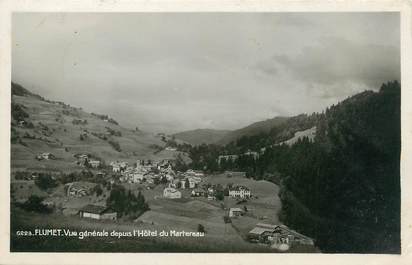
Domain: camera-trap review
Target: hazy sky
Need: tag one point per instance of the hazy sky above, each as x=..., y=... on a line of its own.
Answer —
x=174, y=71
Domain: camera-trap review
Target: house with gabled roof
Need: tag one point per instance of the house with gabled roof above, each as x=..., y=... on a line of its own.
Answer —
x=172, y=193
x=94, y=163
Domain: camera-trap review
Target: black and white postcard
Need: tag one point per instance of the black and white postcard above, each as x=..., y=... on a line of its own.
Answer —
x=273, y=131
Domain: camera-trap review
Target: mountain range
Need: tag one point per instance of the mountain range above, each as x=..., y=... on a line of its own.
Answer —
x=223, y=137
x=202, y=136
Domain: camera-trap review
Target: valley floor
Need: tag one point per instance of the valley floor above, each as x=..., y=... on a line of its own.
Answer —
x=183, y=214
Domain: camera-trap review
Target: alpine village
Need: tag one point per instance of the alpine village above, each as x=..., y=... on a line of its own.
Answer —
x=322, y=182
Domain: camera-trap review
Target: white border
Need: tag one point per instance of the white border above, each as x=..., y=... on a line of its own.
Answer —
x=9, y=6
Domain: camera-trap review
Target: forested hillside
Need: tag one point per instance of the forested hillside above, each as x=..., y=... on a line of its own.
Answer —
x=260, y=127
x=342, y=188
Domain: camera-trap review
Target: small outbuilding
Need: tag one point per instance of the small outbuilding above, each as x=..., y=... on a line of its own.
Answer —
x=94, y=163
x=198, y=193
x=45, y=156
x=172, y=193
x=235, y=212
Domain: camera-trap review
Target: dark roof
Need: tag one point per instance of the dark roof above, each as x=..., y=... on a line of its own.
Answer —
x=261, y=228
x=296, y=234
x=91, y=208
x=239, y=188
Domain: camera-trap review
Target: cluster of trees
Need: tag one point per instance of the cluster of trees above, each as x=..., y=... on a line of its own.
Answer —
x=201, y=228
x=18, y=90
x=97, y=190
x=17, y=112
x=83, y=136
x=114, y=132
x=125, y=203
x=84, y=175
x=45, y=181
x=180, y=164
x=45, y=130
x=15, y=136
x=101, y=136
x=101, y=116
x=115, y=145
x=105, y=117
x=79, y=122
x=35, y=204
x=204, y=157
x=23, y=175
x=111, y=120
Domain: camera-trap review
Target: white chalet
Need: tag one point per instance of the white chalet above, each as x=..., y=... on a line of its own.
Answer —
x=192, y=184
x=239, y=192
x=116, y=168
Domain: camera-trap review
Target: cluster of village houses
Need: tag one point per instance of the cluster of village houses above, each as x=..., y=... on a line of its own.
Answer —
x=152, y=172
x=162, y=171
x=278, y=236
x=144, y=172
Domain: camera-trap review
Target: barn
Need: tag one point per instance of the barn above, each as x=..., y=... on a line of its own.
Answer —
x=97, y=212
x=277, y=235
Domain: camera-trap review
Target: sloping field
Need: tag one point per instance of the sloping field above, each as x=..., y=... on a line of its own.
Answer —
x=264, y=205
x=310, y=133
x=193, y=209
x=57, y=128
x=226, y=241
